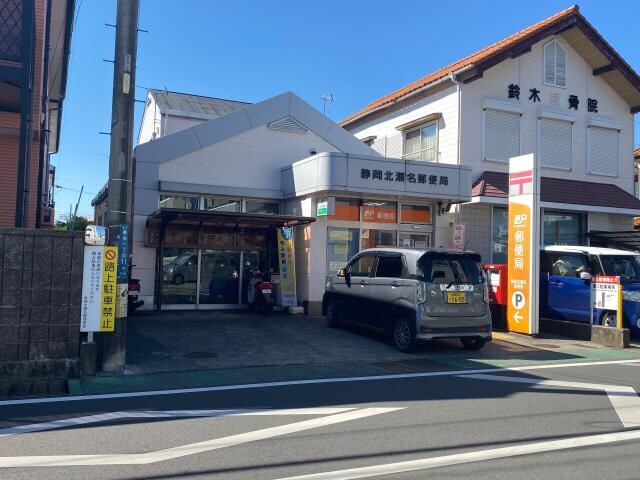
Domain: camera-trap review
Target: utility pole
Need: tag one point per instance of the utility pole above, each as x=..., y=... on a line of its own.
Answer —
x=121, y=169
x=75, y=212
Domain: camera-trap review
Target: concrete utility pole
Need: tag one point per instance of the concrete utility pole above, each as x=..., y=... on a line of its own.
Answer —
x=121, y=168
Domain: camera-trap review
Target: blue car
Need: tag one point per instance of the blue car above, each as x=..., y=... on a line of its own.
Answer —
x=565, y=283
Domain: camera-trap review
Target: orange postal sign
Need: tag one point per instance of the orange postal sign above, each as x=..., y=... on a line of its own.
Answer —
x=523, y=257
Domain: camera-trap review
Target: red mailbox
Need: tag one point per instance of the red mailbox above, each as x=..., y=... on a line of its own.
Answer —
x=497, y=278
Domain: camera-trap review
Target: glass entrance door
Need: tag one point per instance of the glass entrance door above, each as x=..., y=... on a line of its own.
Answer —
x=220, y=274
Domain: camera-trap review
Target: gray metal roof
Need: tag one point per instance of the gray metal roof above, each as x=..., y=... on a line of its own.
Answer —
x=175, y=102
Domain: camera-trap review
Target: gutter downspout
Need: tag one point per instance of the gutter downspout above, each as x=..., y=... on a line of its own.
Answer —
x=44, y=124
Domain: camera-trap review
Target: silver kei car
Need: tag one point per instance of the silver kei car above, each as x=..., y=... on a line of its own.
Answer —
x=413, y=295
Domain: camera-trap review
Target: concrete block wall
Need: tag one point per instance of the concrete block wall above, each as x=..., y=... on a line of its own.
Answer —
x=40, y=294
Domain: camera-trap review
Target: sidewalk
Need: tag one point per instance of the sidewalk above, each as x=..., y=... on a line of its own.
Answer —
x=507, y=350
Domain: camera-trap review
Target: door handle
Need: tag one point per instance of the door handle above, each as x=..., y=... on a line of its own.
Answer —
x=395, y=284
x=363, y=283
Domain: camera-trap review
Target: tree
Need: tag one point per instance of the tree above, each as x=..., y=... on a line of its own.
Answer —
x=77, y=223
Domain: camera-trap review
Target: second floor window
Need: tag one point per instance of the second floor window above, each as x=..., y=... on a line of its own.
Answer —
x=555, y=64
x=422, y=143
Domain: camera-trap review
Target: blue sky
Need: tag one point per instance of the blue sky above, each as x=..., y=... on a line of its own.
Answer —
x=252, y=50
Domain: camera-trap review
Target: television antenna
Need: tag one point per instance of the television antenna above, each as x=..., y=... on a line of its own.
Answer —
x=327, y=99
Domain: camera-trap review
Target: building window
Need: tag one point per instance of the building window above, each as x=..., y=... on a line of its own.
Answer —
x=563, y=228
x=555, y=64
x=263, y=207
x=501, y=135
x=346, y=209
x=379, y=211
x=219, y=204
x=556, y=143
x=422, y=143
x=378, y=238
x=415, y=213
x=418, y=240
x=342, y=244
x=499, y=234
x=604, y=151
x=186, y=202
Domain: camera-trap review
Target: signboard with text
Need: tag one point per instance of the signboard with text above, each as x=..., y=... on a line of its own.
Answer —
x=458, y=236
x=606, y=294
x=99, y=293
x=523, y=245
x=286, y=258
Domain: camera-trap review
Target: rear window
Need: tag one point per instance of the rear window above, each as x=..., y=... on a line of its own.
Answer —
x=446, y=269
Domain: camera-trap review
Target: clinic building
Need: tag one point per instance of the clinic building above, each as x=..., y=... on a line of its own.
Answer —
x=556, y=89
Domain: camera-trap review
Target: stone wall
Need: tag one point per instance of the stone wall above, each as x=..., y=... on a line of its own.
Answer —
x=40, y=295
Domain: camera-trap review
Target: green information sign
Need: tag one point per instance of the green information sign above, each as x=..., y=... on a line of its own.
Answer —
x=321, y=209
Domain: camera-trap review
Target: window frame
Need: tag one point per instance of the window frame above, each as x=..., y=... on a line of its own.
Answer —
x=555, y=65
x=484, y=133
x=539, y=141
x=435, y=122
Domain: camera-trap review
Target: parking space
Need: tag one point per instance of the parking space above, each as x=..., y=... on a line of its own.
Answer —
x=200, y=340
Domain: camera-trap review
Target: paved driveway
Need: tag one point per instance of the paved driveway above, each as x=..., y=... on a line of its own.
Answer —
x=188, y=341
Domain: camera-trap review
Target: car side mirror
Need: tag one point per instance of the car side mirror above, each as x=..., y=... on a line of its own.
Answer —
x=585, y=276
x=342, y=273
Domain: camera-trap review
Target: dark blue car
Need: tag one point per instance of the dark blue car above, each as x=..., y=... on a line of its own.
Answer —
x=565, y=283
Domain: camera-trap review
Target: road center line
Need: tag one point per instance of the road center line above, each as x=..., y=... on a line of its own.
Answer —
x=189, y=449
x=624, y=399
x=449, y=373
x=477, y=456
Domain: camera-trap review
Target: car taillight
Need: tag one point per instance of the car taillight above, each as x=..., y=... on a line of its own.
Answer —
x=134, y=286
x=421, y=294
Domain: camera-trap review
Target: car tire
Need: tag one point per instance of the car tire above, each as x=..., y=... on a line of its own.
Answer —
x=404, y=337
x=472, y=343
x=332, y=315
x=178, y=279
x=609, y=320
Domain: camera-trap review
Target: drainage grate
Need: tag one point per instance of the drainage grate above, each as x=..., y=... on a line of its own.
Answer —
x=200, y=355
x=27, y=388
x=420, y=364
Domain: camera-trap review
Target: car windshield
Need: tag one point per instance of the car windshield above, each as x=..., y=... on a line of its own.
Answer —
x=446, y=269
x=627, y=267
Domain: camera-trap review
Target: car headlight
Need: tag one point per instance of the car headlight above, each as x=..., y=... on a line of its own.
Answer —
x=631, y=296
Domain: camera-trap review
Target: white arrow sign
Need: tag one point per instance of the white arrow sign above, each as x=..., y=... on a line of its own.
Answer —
x=517, y=317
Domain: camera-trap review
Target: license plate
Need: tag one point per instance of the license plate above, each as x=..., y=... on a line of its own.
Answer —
x=456, y=297
x=266, y=290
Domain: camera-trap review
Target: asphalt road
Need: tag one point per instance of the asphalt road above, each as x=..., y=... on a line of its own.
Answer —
x=580, y=421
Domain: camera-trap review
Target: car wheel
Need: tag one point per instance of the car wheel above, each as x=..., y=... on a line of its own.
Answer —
x=403, y=337
x=333, y=318
x=473, y=343
x=609, y=320
x=178, y=279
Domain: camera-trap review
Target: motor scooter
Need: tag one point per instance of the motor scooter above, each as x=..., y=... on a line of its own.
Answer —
x=260, y=293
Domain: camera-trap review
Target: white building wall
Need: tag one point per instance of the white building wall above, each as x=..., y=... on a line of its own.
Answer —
x=150, y=118
x=251, y=159
x=527, y=72
x=444, y=102
x=172, y=124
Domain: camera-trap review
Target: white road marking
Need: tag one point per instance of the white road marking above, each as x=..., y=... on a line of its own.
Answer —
x=625, y=400
x=106, y=417
x=481, y=455
x=370, y=378
x=190, y=449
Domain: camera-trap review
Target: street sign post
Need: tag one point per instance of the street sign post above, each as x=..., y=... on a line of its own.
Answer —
x=99, y=289
x=523, y=245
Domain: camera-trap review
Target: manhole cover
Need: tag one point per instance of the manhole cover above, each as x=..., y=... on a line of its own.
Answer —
x=547, y=345
x=200, y=355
